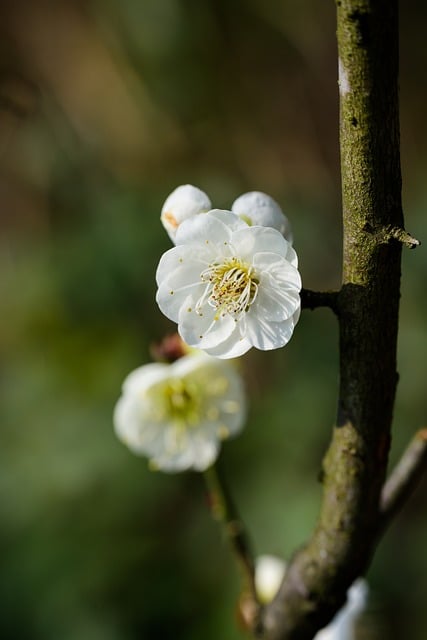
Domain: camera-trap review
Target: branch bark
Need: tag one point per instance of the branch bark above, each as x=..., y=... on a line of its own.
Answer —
x=354, y=467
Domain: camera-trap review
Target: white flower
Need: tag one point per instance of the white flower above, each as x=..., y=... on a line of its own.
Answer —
x=229, y=286
x=185, y=201
x=178, y=414
x=257, y=208
x=269, y=573
x=342, y=625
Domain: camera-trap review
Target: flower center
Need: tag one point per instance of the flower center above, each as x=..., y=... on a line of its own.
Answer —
x=182, y=402
x=231, y=286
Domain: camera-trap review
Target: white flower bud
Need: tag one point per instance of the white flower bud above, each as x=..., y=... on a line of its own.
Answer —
x=185, y=201
x=257, y=208
x=269, y=572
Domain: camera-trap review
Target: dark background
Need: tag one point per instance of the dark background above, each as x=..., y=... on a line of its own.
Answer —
x=105, y=107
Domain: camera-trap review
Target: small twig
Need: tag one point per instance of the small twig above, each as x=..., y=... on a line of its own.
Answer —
x=404, y=237
x=404, y=477
x=223, y=510
x=314, y=299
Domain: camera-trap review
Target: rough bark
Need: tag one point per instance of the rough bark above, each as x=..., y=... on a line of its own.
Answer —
x=355, y=465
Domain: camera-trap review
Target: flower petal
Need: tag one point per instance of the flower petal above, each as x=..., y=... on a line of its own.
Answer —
x=278, y=291
x=268, y=335
x=280, y=269
x=172, y=301
x=247, y=242
x=184, y=263
x=214, y=228
x=204, y=329
x=233, y=347
x=139, y=379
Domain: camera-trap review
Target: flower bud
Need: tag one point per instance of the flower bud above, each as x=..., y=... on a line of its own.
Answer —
x=185, y=201
x=257, y=208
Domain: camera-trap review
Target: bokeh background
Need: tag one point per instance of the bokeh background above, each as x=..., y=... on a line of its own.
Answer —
x=105, y=107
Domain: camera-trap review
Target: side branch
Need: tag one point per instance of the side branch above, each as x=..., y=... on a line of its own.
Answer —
x=314, y=299
x=404, y=478
x=401, y=235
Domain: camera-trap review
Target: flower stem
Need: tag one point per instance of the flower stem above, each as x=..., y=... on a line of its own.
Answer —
x=224, y=511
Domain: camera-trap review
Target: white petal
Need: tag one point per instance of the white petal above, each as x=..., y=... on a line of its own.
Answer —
x=275, y=304
x=228, y=218
x=131, y=427
x=205, y=452
x=268, y=335
x=178, y=277
x=122, y=417
x=291, y=256
x=213, y=228
x=280, y=269
x=278, y=291
x=172, y=301
x=172, y=462
x=204, y=331
x=139, y=379
x=251, y=240
x=233, y=347
x=184, y=263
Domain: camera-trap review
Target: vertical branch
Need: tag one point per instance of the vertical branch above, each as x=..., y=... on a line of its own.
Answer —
x=354, y=467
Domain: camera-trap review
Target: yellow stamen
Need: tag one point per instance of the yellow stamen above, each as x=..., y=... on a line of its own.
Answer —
x=231, y=287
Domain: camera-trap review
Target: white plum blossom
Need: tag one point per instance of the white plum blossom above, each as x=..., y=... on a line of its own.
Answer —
x=230, y=286
x=269, y=573
x=184, y=202
x=178, y=414
x=258, y=208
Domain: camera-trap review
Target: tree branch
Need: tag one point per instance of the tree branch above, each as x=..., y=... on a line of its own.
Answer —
x=354, y=467
x=404, y=478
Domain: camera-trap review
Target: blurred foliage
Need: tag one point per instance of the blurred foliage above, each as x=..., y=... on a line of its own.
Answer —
x=105, y=107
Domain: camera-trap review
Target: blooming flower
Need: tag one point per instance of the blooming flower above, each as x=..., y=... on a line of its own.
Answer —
x=185, y=201
x=229, y=286
x=257, y=208
x=269, y=572
x=178, y=414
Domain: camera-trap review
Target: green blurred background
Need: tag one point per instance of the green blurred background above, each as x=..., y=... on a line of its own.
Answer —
x=105, y=107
